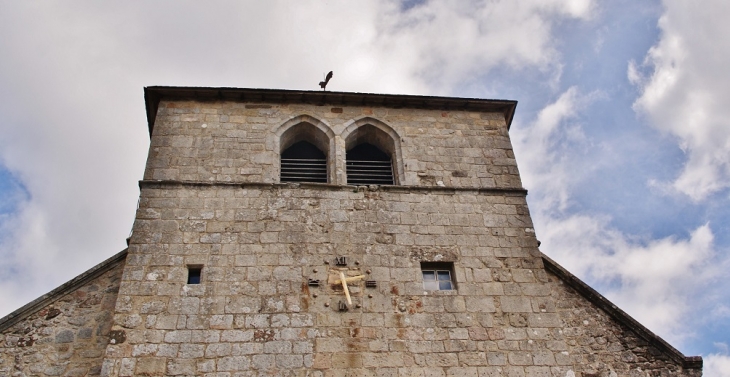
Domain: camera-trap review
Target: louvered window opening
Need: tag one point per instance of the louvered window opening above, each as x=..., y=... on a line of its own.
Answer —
x=303, y=162
x=369, y=172
x=368, y=165
x=303, y=170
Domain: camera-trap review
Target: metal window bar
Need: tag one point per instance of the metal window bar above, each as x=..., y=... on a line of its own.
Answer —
x=303, y=170
x=369, y=172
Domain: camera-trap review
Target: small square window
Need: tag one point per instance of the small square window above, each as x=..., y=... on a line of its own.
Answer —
x=438, y=276
x=194, y=274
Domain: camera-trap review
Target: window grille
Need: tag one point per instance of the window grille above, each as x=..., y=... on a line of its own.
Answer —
x=303, y=162
x=368, y=165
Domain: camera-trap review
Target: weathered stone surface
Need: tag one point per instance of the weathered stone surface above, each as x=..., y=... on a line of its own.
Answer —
x=66, y=337
x=271, y=301
x=456, y=148
x=597, y=344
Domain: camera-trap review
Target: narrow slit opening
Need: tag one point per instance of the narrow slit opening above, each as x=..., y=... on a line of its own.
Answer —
x=194, y=274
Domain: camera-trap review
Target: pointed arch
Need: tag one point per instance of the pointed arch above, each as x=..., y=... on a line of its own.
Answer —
x=367, y=133
x=299, y=139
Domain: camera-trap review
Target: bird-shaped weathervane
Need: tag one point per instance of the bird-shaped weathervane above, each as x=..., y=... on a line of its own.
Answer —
x=323, y=84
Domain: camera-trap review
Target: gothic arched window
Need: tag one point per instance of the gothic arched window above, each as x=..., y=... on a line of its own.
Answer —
x=303, y=154
x=369, y=157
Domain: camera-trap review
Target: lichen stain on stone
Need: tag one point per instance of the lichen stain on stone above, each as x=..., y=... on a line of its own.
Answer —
x=263, y=335
x=25, y=342
x=305, y=296
x=415, y=307
x=384, y=238
x=52, y=313
x=117, y=336
x=434, y=254
x=90, y=301
x=352, y=360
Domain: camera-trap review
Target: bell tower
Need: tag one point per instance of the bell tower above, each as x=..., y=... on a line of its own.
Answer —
x=297, y=233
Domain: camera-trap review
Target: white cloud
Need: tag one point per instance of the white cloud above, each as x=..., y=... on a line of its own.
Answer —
x=654, y=280
x=723, y=347
x=450, y=41
x=544, y=144
x=716, y=365
x=71, y=106
x=686, y=92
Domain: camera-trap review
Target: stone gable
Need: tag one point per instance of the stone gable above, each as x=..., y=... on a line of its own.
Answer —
x=66, y=332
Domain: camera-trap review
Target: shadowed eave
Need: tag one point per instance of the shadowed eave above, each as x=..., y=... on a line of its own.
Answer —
x=154, y=94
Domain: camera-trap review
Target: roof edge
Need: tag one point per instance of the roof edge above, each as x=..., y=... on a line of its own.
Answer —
x=154, y=94
x=687, y=362
x=65, y=288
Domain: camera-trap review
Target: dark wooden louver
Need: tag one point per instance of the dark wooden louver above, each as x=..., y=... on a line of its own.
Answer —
x=368, y=165
x=303, y=170
x=303, y=162
x=369, y=172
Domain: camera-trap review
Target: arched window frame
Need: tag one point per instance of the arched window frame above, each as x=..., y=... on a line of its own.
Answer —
x=379, y=134
x=312, y=130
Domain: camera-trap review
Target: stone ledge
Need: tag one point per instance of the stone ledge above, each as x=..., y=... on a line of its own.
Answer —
x=65, y=288
x=688, y=362
x=327, y=186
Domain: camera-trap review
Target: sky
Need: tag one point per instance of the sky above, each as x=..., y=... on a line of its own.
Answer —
x=622, y=131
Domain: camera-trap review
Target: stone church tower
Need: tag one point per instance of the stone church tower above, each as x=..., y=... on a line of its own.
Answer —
x=302, y=233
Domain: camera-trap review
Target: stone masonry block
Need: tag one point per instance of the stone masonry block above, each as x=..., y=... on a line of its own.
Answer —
x=480, y=304
x=233, y=363
x=150, y=366
x=544, y=320
x=515, y=304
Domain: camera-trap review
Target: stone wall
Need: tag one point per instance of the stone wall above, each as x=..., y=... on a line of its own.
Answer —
x=599, y=345
x=259, y=245
x=65, y=337
x=235, y=142
x=254, y=312
x=270, y=301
